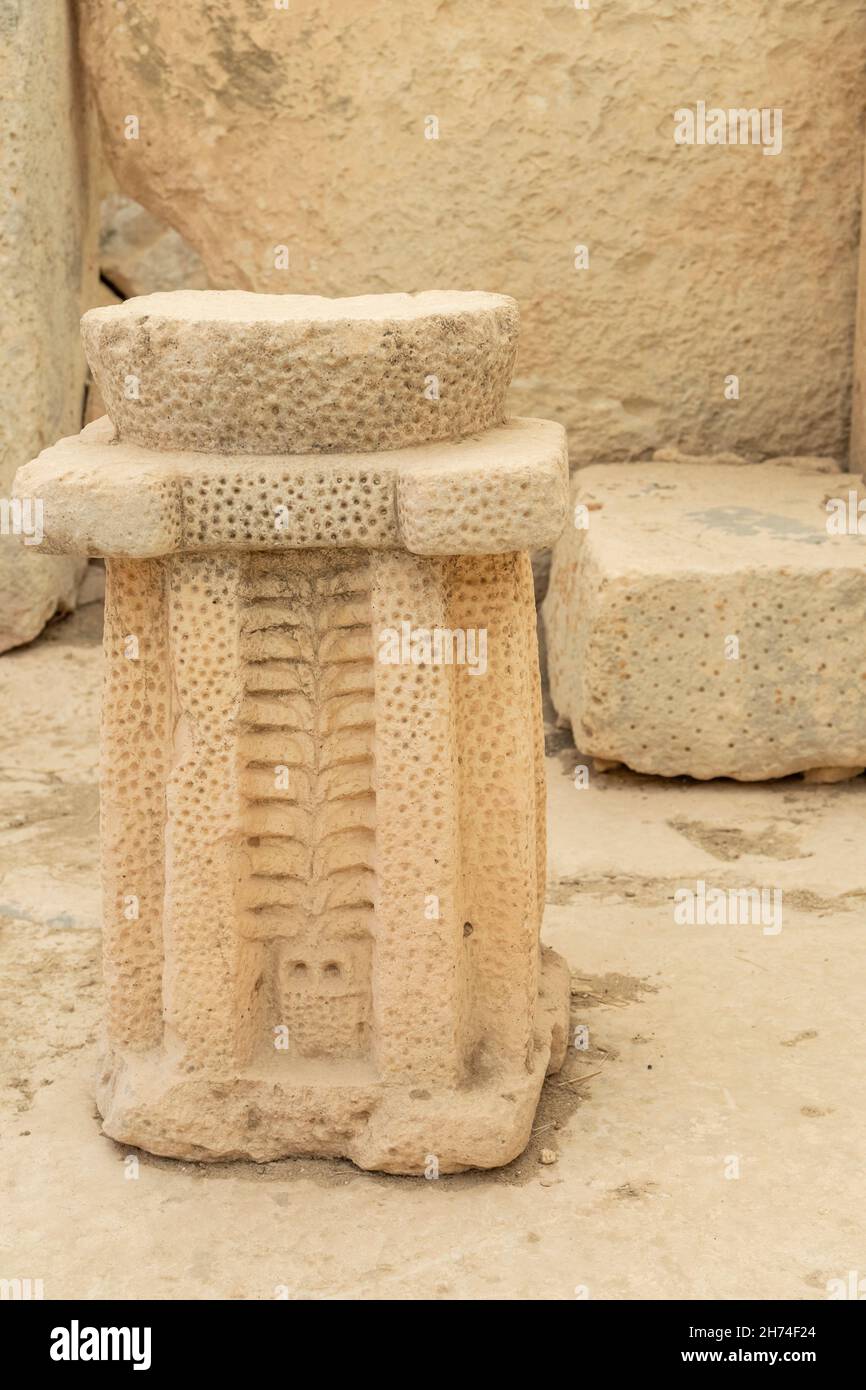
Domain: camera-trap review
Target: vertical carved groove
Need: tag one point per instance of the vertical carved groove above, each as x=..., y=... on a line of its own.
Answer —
x=309, y=812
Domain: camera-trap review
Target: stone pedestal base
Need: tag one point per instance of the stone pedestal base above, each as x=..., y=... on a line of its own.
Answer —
x=322, y=776
x=323, y=1109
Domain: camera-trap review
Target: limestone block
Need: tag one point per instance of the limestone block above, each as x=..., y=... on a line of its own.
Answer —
x=694, y=629
x=94, y=405
x=301, y=374
x=857, y=453
x=323, y=801
x=261, y=127
x=504, y=490
x=47, y=276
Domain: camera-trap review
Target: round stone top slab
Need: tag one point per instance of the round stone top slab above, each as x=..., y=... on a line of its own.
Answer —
x=230, y=372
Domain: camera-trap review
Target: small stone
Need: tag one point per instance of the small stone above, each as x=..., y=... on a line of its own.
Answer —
x=548, y=1156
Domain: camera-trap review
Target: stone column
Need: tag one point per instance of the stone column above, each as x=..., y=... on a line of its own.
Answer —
x=323, y=814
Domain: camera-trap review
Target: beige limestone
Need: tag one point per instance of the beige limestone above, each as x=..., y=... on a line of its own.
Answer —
x=306, y=128
x=140, y=254
x=694, y=629
x=94, y=406
x=235, y=372
x=812, y=462
x=500, y=491
x=857, y=452
x=47, y=277
x=323, y=860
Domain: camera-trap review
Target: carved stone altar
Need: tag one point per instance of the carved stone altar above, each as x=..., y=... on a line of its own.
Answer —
x=322, y=778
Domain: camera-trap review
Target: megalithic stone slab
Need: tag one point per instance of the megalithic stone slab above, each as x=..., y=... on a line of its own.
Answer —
x=272, y=373
x=323, y=793
x=707, y=620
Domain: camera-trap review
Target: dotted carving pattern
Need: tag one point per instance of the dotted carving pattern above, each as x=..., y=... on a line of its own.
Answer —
x=290, y=387
x=135, y=749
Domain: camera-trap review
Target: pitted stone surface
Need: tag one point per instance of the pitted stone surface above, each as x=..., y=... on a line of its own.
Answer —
x=323, y=797
x=233, y=372
x=628, y=353
x=504, y=490
x=693, y=632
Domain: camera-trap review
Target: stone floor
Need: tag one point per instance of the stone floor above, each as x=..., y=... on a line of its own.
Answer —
x=711, y=1050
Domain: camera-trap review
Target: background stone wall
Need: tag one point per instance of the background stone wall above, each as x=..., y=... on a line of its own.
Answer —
x=304, y=127
x=48, y=277
x=282, y=145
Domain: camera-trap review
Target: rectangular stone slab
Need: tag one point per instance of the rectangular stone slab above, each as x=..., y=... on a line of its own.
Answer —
x=490, y=494
x=670, y=562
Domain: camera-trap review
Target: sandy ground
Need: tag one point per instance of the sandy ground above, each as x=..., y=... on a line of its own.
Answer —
x=712, y=1051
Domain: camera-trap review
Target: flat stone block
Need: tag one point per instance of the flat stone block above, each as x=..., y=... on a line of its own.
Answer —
x=501, y=491
x=707, y=620
x=322, y=1109
x=238, y=373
